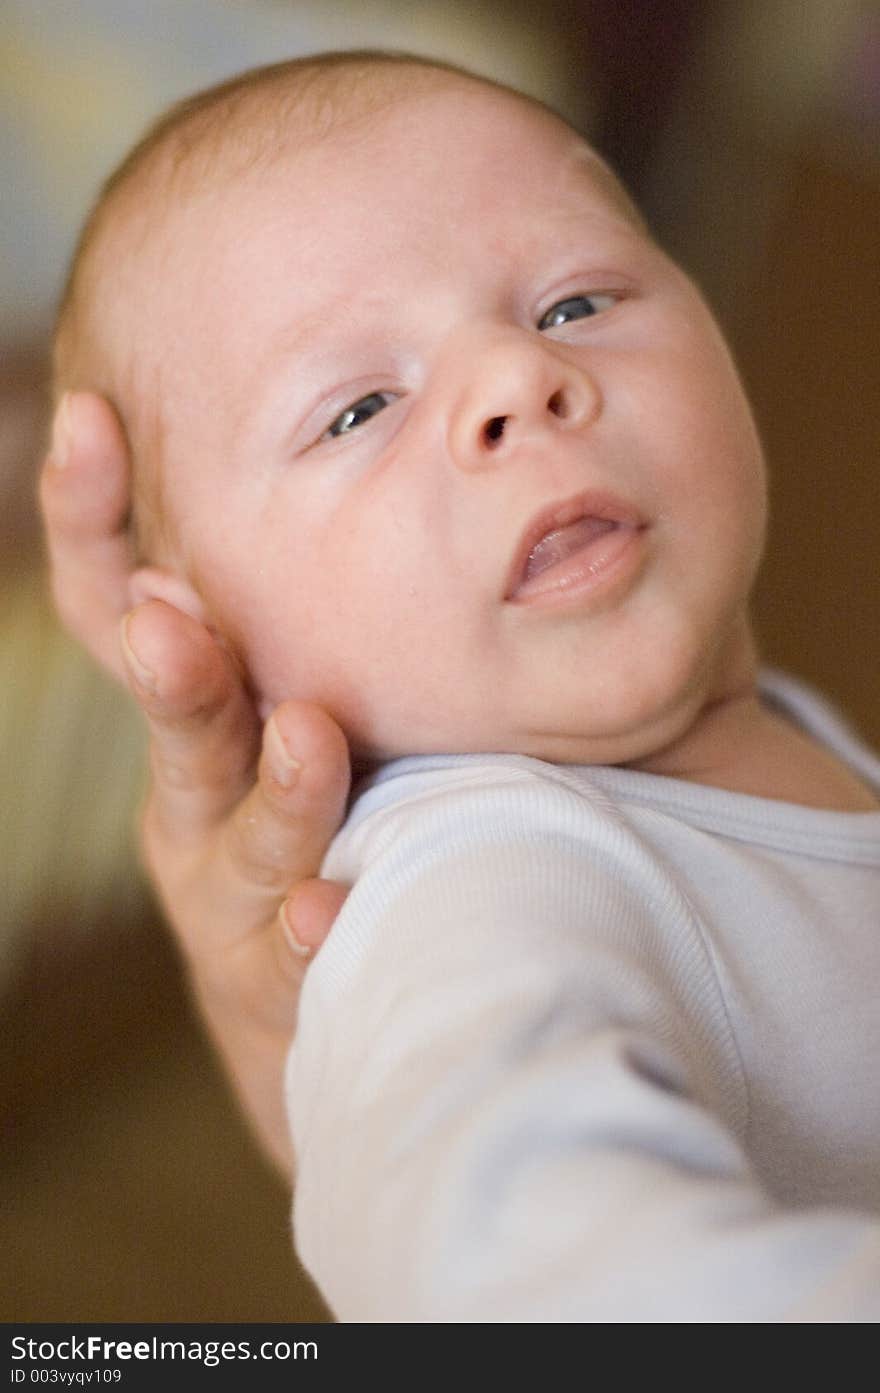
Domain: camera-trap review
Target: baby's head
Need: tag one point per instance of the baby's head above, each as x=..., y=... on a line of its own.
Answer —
x=424, y=424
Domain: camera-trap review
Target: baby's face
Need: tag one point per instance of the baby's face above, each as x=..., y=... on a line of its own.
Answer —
x=453, y=448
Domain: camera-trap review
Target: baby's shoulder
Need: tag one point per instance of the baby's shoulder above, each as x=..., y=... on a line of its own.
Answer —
x=443, y=807
x=507, y=785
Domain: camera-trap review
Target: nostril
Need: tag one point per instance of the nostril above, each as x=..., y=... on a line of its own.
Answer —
x=494, y=429
x=557, y=405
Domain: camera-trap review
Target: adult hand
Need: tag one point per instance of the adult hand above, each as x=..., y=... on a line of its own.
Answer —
x=234, y=828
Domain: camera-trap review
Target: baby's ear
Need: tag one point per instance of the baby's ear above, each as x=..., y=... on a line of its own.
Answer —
x=151, y=583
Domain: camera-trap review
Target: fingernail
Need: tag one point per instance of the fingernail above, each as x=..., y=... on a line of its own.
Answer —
x=302, y=950
x=145, y=677
x=285, y=769
x=60, y=448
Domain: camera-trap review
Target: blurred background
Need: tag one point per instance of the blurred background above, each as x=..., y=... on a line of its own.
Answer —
x=750, y=132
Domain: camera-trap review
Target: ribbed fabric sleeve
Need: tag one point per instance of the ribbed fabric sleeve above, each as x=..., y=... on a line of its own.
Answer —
x=518, y=1090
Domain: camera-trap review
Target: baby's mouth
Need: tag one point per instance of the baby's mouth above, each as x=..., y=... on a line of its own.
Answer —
x=567, y=543
x=562, y=543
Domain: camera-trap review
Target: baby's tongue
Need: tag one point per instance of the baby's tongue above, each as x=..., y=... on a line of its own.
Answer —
x=559, y=545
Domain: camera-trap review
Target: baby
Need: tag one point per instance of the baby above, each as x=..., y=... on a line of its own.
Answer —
x=429, y=431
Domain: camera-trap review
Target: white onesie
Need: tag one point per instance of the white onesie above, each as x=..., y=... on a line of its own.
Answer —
x=588, y=1044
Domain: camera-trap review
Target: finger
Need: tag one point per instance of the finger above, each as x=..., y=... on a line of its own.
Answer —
x=84, y=496
x=297, y=932
x=280, y=832
x=204, y=732
x=294, y=936
x=309, y=913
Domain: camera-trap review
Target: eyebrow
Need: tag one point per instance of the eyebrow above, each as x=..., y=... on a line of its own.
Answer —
x=297, y=338
x=303, y=332
x=315, y=337
x=309, y=328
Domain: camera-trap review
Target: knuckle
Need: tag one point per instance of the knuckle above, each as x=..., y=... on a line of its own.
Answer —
x=173, y=863
x=254, y=855
x=171, y=771
x=276, y=796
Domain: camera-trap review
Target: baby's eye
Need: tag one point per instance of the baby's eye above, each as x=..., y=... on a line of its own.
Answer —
x=575, y=307
x=359, y=412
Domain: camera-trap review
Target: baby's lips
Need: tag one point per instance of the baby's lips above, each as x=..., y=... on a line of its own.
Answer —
x=563, y=528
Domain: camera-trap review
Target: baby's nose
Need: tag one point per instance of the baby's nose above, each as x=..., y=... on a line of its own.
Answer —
x=517, y=393
x=559, y=403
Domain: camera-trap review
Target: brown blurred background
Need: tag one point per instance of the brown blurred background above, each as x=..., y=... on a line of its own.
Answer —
x=749, y=131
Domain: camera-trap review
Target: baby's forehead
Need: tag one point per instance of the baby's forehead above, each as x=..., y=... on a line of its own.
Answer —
x=325, y=147
x=313, y=148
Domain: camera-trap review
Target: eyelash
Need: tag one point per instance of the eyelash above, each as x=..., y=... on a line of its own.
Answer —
x=332, y=433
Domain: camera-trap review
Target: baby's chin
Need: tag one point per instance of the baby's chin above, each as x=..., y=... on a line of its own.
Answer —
x=576, y=746
x=660, y=721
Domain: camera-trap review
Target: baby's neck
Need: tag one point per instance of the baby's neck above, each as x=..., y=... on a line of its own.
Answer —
x=740, y=744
